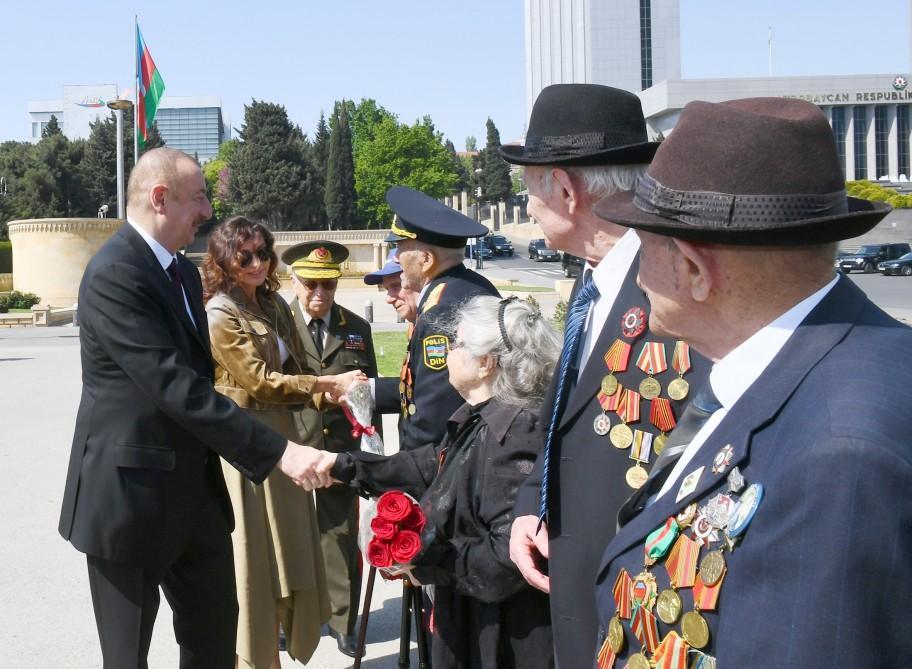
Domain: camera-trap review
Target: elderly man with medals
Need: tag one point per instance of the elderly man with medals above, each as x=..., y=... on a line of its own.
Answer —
x=620, y=387
x=759, y=542
x=336, y=340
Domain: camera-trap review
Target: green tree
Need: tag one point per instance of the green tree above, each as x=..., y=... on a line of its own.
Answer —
x=217, y=172
x=364, y=119
x=52, y=128
x=409, y=155
x=319, y=158
x=471, y=144
x=340, y=196
x=462, y=174
x=268, y=172
x=15, y=159
x=497, y=183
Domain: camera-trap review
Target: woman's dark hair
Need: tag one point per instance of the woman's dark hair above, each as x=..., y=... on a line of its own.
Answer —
x=223, y=260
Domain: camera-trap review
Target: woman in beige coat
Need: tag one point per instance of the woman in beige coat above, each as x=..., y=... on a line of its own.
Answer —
x=260, y=365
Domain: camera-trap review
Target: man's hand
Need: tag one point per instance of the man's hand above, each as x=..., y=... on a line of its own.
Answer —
x=340, y=383
x=528, y=549
x=306, y=466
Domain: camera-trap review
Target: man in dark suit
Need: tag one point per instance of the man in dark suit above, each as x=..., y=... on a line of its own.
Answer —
x=431, y=239
x=623, y=386
x=788, y=506
x=336, y=340
x=144, y=498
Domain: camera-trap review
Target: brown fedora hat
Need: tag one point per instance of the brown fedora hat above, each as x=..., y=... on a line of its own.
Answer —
x=753, y=171
x=583, y=124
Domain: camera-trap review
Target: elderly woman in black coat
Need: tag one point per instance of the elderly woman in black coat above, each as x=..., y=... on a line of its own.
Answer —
x=485, y=615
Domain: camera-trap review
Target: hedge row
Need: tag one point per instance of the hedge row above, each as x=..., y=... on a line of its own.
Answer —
x=868, y=190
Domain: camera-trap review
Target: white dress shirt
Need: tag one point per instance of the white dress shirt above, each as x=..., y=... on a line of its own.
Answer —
x=736, y=372
x=165, y=258
x=608, y=276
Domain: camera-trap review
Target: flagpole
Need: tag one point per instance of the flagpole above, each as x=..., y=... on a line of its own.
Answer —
x=135, y=88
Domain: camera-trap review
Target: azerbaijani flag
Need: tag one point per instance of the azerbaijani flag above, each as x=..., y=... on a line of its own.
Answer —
x=149, y=89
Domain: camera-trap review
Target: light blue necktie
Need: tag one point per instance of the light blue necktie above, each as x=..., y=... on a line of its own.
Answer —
x=576, y=317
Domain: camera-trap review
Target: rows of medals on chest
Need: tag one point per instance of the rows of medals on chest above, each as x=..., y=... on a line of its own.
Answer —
x=625, y=402
x=716, y=527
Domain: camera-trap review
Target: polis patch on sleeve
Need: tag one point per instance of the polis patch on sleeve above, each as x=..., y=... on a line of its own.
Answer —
x=435, y=351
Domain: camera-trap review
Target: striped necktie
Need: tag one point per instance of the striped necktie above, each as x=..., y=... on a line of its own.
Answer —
x=576, y=317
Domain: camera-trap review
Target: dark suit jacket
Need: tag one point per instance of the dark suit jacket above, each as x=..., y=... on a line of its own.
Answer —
x=820, y=578
x=149, y=422
x=348, y=346
x=589, y=473
x=434, y=398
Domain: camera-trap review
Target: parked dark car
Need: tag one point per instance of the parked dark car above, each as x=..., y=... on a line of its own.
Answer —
x=901, y=265
x=539, y=251
x=571, y=265
x=869, y=256
x=484, y=250
x=499, y=245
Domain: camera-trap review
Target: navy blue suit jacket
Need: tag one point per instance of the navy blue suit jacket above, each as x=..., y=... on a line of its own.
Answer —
x=820, y=578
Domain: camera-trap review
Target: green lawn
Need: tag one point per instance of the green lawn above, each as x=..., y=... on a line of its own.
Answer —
x=392, y=345
x=521, y=288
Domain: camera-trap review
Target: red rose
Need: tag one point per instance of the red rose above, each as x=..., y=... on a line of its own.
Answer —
x=378, y=553
x=383, y=529
x=405, y=546
x=393, y=506
x=416, y=520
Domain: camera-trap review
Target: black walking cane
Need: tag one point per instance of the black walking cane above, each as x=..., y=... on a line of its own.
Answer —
x=420, y=631
x=365, y=614
x=405, y=625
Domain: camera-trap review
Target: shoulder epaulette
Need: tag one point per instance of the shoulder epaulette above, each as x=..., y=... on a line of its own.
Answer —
x=433, y=297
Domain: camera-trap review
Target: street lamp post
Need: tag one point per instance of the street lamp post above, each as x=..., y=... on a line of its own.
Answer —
x=479, y=255
x=119, y=107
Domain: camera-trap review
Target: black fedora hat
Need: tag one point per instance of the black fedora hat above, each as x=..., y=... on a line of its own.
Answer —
x=760, y=171
x=583, y=124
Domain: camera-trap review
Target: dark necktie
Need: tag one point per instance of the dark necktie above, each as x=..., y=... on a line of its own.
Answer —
x=176, y=285
x=701, y=407
x=316, y=329
x=576, y=317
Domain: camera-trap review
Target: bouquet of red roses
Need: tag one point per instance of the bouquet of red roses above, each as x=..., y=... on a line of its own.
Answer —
x=391, y=532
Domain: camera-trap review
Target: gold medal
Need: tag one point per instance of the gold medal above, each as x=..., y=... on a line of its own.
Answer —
x=601, y=425
x=712, y=566
x=412, y=409
x=650, y=388
x=402, y=386
x=609, y=385
x=678, y=389
x=621, y=436
x=615, y=635
x=638, y=661
x=658, y=444
x=636, y=476
x=686, y=517
x=408, y=392
x=695, y=630
x=668, y=606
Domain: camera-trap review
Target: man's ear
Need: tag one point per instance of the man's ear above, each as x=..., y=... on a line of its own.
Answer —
x=697, y=268
x=157, y=198
x=568, y=190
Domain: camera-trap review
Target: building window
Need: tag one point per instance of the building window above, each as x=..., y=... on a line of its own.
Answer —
x=859, y=120
x=35, y=131
x=902, y=138
x=645, y=44
x=881, y=140
x=837, y=118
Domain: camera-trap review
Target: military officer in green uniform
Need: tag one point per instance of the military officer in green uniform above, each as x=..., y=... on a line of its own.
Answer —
x=335, y=340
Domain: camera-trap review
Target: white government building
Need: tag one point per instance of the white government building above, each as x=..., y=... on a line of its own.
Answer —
x=635, y=45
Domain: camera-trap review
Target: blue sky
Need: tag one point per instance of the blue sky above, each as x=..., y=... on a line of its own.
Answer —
x=459, y=62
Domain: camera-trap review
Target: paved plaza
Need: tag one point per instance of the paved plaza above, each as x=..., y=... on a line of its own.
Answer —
x=46, y=615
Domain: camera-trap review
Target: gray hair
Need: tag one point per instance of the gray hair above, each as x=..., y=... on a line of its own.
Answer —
x=600, y=180
x=527, y=363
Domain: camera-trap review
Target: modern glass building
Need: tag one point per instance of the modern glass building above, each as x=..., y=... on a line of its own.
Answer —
x=193, y=124
x=635, y=45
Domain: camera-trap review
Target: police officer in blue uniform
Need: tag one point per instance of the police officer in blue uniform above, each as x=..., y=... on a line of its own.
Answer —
x=431, y=239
